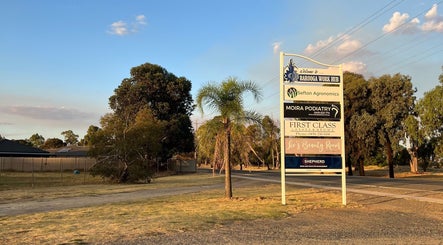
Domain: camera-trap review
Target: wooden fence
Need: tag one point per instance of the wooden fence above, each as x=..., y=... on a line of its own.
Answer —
x=43, y=164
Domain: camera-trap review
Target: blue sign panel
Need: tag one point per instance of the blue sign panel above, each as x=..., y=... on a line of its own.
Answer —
x=326, y=162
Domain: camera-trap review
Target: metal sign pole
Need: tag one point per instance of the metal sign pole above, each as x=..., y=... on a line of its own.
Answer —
x=282, y=135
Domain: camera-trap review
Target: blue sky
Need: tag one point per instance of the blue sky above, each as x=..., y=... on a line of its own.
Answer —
x=60, y=61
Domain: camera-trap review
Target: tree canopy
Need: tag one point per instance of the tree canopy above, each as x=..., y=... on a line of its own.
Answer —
x=375, y=114
x=70, y=137
x=149, y=123
x=37, y=140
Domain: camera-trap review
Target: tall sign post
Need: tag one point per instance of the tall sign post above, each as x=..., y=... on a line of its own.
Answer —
x=311, y=121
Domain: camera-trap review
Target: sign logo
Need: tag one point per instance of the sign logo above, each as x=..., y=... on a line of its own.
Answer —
x=290, y=73
x=292, y=92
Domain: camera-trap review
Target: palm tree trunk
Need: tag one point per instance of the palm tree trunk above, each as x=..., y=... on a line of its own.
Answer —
x=227, y=158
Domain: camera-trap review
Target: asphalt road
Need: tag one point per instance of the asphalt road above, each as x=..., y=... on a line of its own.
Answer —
x=420, y=189
x=425, y=190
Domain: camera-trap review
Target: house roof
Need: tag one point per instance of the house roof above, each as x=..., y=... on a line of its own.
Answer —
x=70, y=151
x=12, y=148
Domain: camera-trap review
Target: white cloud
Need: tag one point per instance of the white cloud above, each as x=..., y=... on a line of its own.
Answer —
x=276, y=47
x=434, y=22
x=47, y=113
x=348, y=46
x=432, y=13
x=310, y=49
x=431, y=26
x=120, y=28
x=355, y=66
x=400, y=24
x=396, y=20
x=141, y=19
x=341, y=45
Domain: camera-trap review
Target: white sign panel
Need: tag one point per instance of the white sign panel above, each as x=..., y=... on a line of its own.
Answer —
x=312, y=93
x=313, y=128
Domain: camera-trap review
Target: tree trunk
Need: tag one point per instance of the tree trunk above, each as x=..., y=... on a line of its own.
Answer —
x=361, y=167
x=349, y=163
x=413, y=163
x=390, y=158
x=227, y=158
x=256, y=155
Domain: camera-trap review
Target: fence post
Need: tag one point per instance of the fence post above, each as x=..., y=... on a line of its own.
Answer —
x=61, y=169
x=84, y=171
x=32, y=163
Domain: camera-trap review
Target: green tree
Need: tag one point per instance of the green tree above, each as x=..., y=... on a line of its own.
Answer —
x=227, y=99
x=356, y=109
x=167, y=96
x=53, y=143
x=126, y=145
x=271, y=141
x=392, y=102
x=208, y=142
x=70, y=137
x=86, y=141
x=127, y=151
x=430, y=112
x=414, y=140
x=37, y=140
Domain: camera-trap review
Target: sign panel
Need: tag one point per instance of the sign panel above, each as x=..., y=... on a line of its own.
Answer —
x=312, y=93
x=312, y=120
x=330, y=111
x=313, y=128
x=311, y=75
x=312, y=146
x=326, y=162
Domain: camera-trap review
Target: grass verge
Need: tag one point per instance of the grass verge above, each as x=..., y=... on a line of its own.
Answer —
x=204, y=210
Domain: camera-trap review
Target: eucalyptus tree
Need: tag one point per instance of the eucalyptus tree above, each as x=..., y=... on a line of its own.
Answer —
x=208, y=140
x=360, y=140
x=226, y=98
x=392, y=101
x=127, y=152
x=70, y=137
x=430, y=112
x=37, y=140
x=271, y=141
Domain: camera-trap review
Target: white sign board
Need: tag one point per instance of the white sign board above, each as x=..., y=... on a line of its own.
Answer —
x=313, y=128
x=312, y=93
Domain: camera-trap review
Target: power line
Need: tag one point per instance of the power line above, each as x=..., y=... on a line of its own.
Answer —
x=381, y=36
x=359, y=26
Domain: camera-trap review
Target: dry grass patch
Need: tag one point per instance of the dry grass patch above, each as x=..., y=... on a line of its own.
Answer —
x=52, y=192
x=190, y=212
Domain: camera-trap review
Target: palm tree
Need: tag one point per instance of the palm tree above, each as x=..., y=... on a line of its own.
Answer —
x=227, y=99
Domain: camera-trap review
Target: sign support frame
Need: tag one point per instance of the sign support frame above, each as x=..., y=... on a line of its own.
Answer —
x=309, y=172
